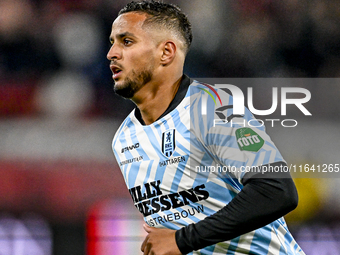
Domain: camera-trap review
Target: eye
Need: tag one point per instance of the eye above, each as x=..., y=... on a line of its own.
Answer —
x=127, y=42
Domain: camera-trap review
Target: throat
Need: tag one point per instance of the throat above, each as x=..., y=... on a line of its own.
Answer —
x=164, y=101
x=152, y=111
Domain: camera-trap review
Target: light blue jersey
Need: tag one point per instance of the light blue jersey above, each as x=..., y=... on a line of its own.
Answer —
x=190, y=164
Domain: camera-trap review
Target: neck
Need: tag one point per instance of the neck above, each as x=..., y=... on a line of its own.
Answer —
x=154, y=98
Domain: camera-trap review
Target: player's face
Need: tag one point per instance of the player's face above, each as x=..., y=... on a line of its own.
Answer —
x=132, y=54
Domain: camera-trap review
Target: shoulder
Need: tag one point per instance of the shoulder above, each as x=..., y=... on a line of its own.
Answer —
x=126, y=124
x=209, y=105
x=209, y=98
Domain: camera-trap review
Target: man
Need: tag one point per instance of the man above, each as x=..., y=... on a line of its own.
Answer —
x=162, y=145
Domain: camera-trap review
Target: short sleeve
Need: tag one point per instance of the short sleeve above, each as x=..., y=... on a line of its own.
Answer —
x=237, y=142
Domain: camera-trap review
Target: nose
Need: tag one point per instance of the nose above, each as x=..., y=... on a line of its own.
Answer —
x=114, y=53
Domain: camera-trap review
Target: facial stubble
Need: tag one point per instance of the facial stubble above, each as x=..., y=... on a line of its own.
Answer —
x=134, y=84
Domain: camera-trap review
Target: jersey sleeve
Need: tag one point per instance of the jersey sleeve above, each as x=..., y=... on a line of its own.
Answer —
x=239, y=143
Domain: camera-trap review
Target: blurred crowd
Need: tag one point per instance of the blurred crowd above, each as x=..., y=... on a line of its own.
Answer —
x=53, y=64
x=53, y=52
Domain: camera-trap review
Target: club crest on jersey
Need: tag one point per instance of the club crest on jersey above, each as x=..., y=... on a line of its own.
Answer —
x=168, y=142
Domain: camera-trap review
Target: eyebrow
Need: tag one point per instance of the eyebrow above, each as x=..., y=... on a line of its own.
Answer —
x=122, y=35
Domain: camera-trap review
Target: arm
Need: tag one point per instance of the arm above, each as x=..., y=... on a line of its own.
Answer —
x=261, y=201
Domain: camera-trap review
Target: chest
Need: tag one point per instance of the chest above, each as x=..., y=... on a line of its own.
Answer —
x=160, y=152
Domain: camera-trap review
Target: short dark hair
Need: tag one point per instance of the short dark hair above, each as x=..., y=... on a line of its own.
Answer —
x=167, y=15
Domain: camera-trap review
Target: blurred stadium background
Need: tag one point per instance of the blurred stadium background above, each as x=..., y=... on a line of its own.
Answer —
x=61, y=191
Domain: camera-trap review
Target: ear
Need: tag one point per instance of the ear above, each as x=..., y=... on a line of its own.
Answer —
x=169, y=52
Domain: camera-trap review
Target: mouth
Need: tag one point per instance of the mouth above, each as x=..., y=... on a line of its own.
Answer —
x=116, y=71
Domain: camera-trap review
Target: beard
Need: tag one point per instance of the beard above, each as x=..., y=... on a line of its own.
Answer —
x=133, y=83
